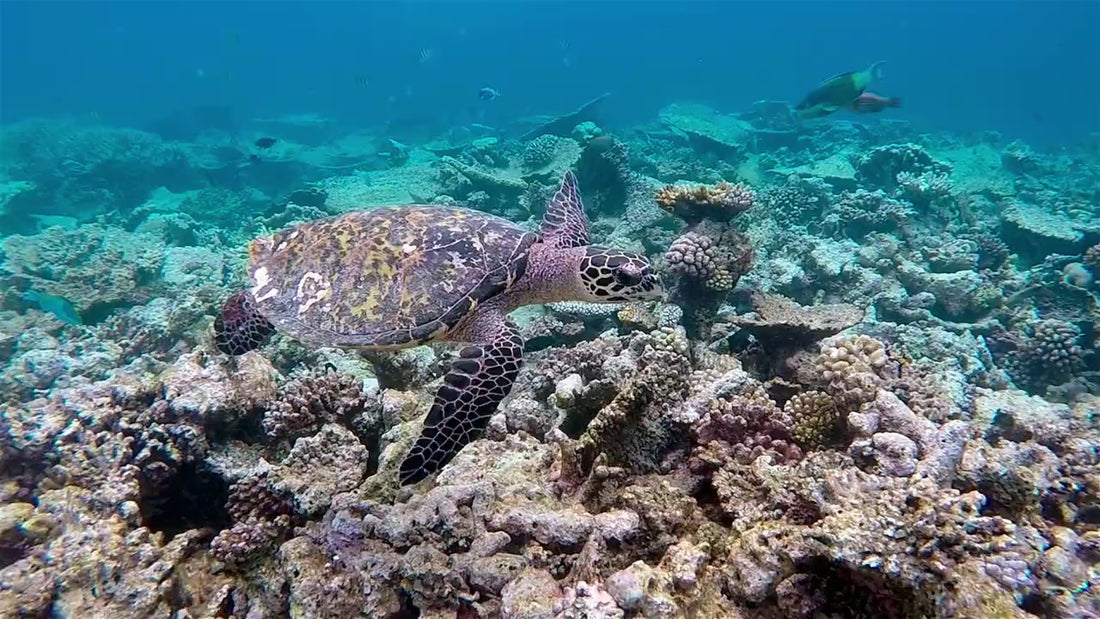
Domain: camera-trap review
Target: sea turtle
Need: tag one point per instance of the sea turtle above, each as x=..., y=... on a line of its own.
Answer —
x=403, y=276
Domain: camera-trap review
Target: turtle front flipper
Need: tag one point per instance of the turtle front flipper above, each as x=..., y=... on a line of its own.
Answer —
x=471, y=391
x=240, y=327
x=565, y=224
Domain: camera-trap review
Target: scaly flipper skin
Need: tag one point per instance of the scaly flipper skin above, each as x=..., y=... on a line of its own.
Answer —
x=478, y=380
x=240, y=327
x=565, y=224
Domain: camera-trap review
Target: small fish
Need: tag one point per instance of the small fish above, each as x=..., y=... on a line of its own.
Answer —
x=837, y=92
x=870, y=103
x=488, y=94
x=56, y=305
x=265, y=143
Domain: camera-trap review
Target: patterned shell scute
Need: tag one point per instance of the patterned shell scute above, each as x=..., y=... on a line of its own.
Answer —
x=391, y=277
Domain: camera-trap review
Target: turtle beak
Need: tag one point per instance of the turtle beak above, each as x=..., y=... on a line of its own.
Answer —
x=654, y=290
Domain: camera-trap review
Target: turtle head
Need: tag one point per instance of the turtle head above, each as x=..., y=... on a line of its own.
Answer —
x=615, y=276
x=240, y=327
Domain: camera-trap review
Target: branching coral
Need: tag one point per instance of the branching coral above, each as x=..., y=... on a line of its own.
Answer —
x=545, y=151
x=707, y=261
x=992, y=251
x=1051, y=355
x=604, y=168
x=856, y=213
x=815, y=418
x=951, y=255
x=715, y=262
x=926, y=189
x=221, y=207
x=693, y=203
x=261, y=516
x=742, y=427
x=850, y=369
x=311, y=400
x=798, y=202
x=1092, y=259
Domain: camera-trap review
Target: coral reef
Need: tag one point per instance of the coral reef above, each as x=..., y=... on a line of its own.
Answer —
x=871, y=391
x=721, y=202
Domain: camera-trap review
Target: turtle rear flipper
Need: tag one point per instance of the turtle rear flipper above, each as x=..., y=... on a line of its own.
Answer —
x=471, y=391
x=240, y=327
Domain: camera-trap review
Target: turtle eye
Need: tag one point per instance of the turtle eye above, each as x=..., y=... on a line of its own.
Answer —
x=629, y=275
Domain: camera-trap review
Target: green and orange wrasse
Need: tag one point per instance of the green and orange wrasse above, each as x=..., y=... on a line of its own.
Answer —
x=837, y=92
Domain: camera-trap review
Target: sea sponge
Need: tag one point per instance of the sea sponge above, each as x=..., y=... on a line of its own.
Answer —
x=815, y=418
x=721, y=202
x=850, y=370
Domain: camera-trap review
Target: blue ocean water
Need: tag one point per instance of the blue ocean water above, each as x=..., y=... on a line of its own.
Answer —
x=1027, y=69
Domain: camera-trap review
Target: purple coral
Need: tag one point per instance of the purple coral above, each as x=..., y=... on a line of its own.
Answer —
x=692, y=255
x=741, y=428
x=261, y=516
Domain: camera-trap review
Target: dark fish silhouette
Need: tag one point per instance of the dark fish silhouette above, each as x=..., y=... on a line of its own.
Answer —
x=265, y=143
x=488, y=94
x=837, y=92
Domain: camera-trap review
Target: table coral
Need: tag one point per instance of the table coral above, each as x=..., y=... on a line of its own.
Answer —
x=720, y=202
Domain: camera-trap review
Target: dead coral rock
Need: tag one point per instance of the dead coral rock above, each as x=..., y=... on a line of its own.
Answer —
x=320, y=466
x=534, y=595
x=1009, y=475
x=97, y=566
x=97, y=268
x=779, y=319
x=318, y=590
x=589, y=602
x=197, y=385
x=866, y=522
